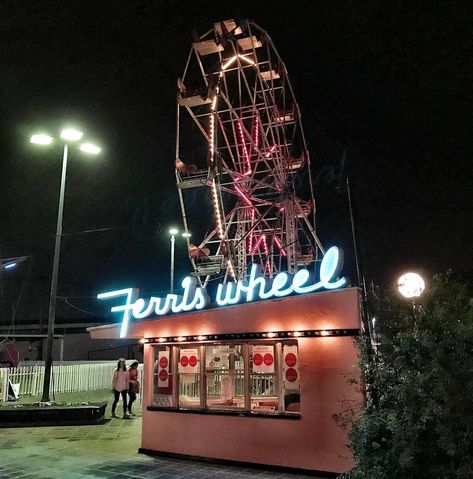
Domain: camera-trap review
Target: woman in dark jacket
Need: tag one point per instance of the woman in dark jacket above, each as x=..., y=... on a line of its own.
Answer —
x=134, y=385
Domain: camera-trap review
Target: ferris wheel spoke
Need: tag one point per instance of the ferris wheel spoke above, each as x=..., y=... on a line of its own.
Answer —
x=199, y=62
x=247, y=135
x=198, y=123
x=228, y=145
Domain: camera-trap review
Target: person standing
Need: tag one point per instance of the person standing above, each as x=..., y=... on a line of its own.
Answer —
x=134, y=385
x=121, y=378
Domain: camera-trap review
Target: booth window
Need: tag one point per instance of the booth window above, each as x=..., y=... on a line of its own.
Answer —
x=163, y=377
x=189, y=376
x=291, y=378
x=260, y=377
x=224, y=374
x=264, y=378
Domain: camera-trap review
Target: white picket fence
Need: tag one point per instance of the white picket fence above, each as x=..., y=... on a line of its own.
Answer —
x=66, y=377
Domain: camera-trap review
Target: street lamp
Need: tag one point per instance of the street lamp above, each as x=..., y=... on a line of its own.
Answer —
x=173, y=232
x=411, y=285
x=68, y=136
x=11, y=263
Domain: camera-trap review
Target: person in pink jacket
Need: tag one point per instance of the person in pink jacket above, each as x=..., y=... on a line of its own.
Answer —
x=121, y=378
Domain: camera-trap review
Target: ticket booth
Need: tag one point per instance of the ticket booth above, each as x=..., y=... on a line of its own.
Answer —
x=265, y=382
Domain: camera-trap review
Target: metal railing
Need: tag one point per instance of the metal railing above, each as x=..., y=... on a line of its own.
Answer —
x=261, y=385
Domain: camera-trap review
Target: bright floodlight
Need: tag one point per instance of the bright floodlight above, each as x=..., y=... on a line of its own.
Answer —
x=173, y=231
x=41, y=139
x=186, y=235
x=89, y=148
x=10, y=265
x=70, y=134
x=411, y=285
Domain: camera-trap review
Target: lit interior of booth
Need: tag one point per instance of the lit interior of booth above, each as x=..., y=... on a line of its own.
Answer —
x=250, y=377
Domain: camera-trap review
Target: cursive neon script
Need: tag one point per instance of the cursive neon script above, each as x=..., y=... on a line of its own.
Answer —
x=256, y=287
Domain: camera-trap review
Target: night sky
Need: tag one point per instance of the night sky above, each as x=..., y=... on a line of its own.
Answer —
x=385, y=90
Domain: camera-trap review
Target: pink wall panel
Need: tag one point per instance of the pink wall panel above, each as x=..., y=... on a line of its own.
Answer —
x=314, y=442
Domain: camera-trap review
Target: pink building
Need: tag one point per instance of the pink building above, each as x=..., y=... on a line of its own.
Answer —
x=265, y=382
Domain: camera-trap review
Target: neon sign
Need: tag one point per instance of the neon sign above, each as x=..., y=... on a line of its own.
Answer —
x=256, y=287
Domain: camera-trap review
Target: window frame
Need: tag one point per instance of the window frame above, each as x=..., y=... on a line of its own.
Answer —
x=236, y=409
x=247, y=373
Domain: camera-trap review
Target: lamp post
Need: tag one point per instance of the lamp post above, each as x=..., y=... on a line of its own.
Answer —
x=68, y=136
x=173, y=232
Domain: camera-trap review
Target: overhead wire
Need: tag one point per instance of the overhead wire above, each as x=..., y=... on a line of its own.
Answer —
x=65, y=299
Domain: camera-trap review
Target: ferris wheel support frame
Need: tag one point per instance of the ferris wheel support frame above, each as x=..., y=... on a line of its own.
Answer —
x=267, y=134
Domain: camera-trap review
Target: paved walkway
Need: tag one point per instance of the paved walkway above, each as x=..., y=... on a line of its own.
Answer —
x=104, y=451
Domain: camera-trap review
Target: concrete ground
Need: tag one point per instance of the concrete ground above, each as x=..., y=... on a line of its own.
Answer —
x=103, y=451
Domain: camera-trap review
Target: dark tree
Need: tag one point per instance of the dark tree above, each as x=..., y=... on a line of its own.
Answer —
x=418, y=420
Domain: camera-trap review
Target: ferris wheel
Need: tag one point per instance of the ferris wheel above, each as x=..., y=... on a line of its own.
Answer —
x=251, y=156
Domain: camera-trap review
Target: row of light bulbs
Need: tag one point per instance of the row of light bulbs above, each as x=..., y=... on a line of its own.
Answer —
x=267, y=335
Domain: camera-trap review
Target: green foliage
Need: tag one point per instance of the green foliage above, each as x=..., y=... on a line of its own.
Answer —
x=418, y=420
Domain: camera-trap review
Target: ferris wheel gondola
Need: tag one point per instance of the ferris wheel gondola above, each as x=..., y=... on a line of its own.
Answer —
x=236, y=93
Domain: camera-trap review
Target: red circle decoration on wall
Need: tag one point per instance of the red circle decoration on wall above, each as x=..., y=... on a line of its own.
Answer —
x=257, y=359
x=184, y=361
x=291, y=359
x=291, y=375
x=163, y=362
x=163, y=375
x=268, y=359
x=192, y=361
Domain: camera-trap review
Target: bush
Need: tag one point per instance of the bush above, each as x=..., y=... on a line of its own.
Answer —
x=418, y=420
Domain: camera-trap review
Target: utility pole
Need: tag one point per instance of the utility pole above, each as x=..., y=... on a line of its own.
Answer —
x=353, y=233
x=2, y=293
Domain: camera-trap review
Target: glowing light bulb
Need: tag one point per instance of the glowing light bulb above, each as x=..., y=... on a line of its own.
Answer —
x=90, y=148
x=69, y=134
x=411, y=285
x=41, y=139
